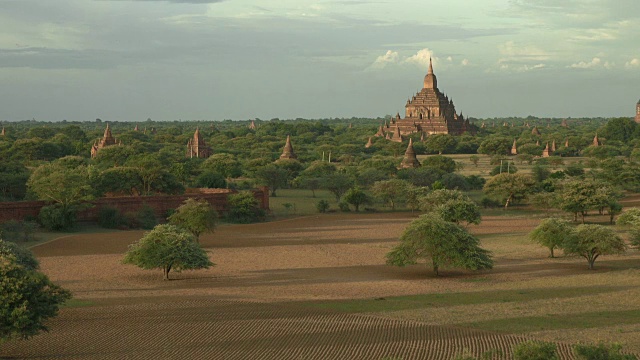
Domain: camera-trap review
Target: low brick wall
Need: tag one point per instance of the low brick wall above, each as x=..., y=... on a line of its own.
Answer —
x=161, y=204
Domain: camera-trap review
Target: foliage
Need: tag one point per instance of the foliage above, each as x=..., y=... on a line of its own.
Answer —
x=489, y=203
x=439, y=197
x=552, y=233
x=443, y=243
x=601, y=352
x=461, y=210
x=244, y=208
x=224, y=164
x=167, y=247
x=344, y=206
x=495, y=145
x=27, y=300
x=337, y=184
x=580, y=196
x=356, y=197
x=508, y=168
x=535, y=350
x=509, y=187
x=13, y=180
x=442, y=163
x=22, y=256
x=210, y=180
x=15, y=231
x=322, y=206
x=62, y=185
x=272, y=176
x=146, y=217
x=592, y=241
x=111, y=218
x=440, y=143
x=391, y=191
x=474, y=160
x=195, y=216
x=57, y=217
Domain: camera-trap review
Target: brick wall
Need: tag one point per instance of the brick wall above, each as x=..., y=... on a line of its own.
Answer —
x=161, y=204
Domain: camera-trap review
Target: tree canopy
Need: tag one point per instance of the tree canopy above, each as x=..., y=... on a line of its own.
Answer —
x=195, y=216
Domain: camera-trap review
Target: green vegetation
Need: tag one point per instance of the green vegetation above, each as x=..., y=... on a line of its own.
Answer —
x=195, y=216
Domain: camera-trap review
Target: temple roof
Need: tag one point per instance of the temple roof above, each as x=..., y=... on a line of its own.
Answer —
x=430, y=81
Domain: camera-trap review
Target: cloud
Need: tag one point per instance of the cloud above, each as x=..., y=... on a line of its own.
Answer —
x=596, y=61
x=633, y=63
x=421, y=58
x=512, y=52
x=390, y=57
x=464, y=62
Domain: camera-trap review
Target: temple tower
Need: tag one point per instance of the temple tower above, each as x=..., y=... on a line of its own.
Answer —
x=3, y=132
x=287, y=151
x=369, y=143
x=196, y=147
x=596, y=141
x=410, y=160
x=107, y=140
x=252, y=126
x=638, y=112
x=514, y=148
x=535, y=131
x=545, y=152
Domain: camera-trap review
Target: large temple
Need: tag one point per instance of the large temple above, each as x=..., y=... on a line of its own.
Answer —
x=196, y=147
x=430, y=112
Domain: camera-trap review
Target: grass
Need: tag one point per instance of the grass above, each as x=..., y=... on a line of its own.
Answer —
x=301, y=200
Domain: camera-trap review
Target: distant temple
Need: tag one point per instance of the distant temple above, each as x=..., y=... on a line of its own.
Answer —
x=196, y=147
x=429, y=111
x=287, y=151
x=107, y=140
x=638, y=112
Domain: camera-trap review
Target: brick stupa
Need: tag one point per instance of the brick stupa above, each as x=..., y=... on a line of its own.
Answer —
x=107, y=140
x=287, y=151
x=410, y=160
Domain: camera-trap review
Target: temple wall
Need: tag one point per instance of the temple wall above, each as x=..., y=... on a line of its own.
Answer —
x=160, y=204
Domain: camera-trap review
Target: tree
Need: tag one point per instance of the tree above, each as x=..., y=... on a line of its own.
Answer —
x=551, y=233
x=211, y=180
x=443, y=243
x=580, y=196
x=592, y=241
x=535, y=350
x=356, y=197
x=27, y=300
x=60, y=184
x=224, y=164
x=391, y=191
x=244, y=208
x=439, y=197
x=631, y=217
x=509, y=187
x=167, y=247
x=13, y=180
x=337, y=184
x=21, y=256
x=474, y=160
x=440, y=143
x=458, y=211
x=273, y=176
x=440, y=162
x=495, y=146
x=195, y=216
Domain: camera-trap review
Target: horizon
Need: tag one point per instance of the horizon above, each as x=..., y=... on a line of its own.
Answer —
x=129, y=60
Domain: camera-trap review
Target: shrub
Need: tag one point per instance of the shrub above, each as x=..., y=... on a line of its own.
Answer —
x=210, y=179
x=23, y=257
x=476, y=182
x=244, y=209
x=146, y=217
x=535, y=350
x=344, y=206
x=500, y=169
x=601, y=352
x=322, y=206
x=15, y=231
x=111, y=218
x=489, y=203
x=57, y=217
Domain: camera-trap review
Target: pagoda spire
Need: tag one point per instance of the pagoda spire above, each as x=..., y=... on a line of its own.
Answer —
x=369, y=143
x=287, y=151
x=545, y=152
x=430, y=66
x=410, y=160
x=3, y=133
x=514, y=148
x=596, y=141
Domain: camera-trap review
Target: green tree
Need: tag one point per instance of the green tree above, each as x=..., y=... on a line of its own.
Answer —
x=244, y=208
x=535, y=350
x=474, y=160
x=495, y=146
x=13, y=180
x=461, y=210
x=337, y=184
x=552, y=233
x=356, y=197
x=272, y=176
x=21, y=256
x=60, y=184
x=211, y=180
x=443, y=243
x=167, y=247
x=225, y=164
x=391, y=191
x=631, y=217
x=27, y=300
x=195, y=216
x=443, y=163
x=438, y=197
x=592, y=241
x=580, y=196
x=440, y=143
x=509, y=187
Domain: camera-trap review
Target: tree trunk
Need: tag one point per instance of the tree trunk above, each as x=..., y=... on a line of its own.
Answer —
x=273, y=192
x=583, y=215
x=551, y=248
x=166, y=270
x=506, y=205
x=435, y=267
x=313, y=191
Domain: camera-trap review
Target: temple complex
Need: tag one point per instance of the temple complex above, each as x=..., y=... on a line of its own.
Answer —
x=196, y=147
x=410, y=160
x=638, y=112
x=429, y=111
x=287, y=151
x=107, y=140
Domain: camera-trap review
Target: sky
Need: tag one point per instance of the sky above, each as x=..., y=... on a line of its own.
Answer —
x=129, y=60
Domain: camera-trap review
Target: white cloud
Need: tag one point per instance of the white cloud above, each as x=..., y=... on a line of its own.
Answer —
x=633, y=63
x=390, y=57
x=421, y=58
x=587, y=65
x=464, y=62
x=449, y=59
x=512, y=52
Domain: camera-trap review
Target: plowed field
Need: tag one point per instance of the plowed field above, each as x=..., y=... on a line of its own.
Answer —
x=278, y=289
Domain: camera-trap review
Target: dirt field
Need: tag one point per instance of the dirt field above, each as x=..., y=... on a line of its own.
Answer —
x=317, y=288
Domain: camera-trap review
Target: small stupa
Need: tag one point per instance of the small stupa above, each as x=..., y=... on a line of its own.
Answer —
x=380, y=132
x=545, y=152
x=252, y=126
x=287, y=151
x=410, y=160
x=553, y=146
x=535, y=131
x=514, y=148
x=596, y=141
x=369, y=143
x=136, y=128
x=397, y=137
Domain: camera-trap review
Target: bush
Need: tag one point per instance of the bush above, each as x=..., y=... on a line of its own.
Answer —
x=535, y=350
x=211, y=179
x=511, y=168
x=15, y=231
x=244, y=209
x=23, y=257
x=322, y=206
x=111, y=218
x=455, y=181
x=344, y=206
x=476, y=182
x=489, y=203
x=57, y=217
x=146, y=217
x=601, y=352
